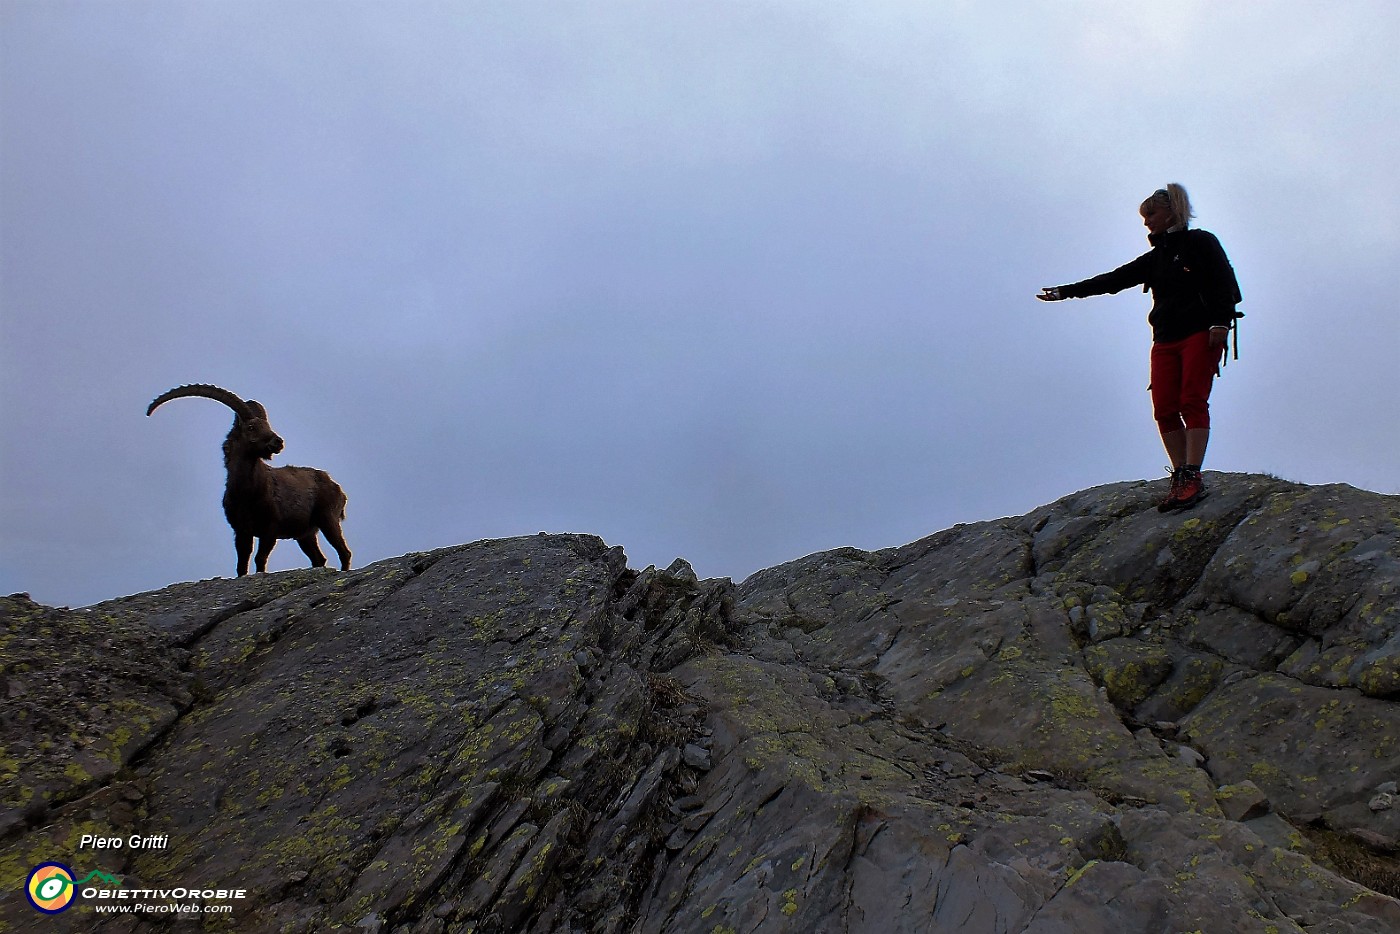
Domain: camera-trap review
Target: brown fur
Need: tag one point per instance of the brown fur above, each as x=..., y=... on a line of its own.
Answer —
x=265, y=502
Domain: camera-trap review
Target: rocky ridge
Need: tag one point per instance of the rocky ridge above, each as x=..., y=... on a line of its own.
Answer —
x=1092, y=718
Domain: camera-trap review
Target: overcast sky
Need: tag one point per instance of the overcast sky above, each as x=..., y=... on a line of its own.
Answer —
x=733, y=281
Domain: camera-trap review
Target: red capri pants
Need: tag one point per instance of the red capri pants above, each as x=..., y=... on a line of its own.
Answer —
x=1182, y=373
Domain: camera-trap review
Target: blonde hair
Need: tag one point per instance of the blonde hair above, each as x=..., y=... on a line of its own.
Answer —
x=1174, y=198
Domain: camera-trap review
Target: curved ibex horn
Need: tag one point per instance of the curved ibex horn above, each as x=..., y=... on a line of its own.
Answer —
x=204, y=390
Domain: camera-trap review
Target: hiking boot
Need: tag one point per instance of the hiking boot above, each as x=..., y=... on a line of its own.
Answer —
x=1171, y=500
x=1190, y=490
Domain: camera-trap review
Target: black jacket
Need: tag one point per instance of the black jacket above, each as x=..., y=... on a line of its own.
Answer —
x=1193, y=286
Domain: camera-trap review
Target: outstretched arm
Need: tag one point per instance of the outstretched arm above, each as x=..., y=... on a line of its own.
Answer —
x=1125, y=276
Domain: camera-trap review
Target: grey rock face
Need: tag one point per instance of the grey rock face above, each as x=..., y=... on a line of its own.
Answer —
x=1093, y=718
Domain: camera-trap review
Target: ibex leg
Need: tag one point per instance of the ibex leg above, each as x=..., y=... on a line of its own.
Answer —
x=265, y=546
x=243, y=544
x=337, y=540
x=312, y=548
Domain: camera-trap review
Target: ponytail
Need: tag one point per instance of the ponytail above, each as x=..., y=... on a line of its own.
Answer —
x=1174, y=198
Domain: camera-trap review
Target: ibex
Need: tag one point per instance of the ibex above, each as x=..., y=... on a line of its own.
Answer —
x=266, y=502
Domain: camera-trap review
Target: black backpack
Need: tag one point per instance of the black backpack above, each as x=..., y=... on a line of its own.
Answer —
x=1235, y=290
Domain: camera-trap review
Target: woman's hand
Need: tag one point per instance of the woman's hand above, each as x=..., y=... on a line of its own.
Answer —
x=1051, y=293
x=1219, y=335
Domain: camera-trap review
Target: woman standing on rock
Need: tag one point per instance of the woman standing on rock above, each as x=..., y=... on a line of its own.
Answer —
x=1193, y=308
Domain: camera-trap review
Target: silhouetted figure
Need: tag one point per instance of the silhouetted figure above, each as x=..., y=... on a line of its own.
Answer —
x=1194, y=294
